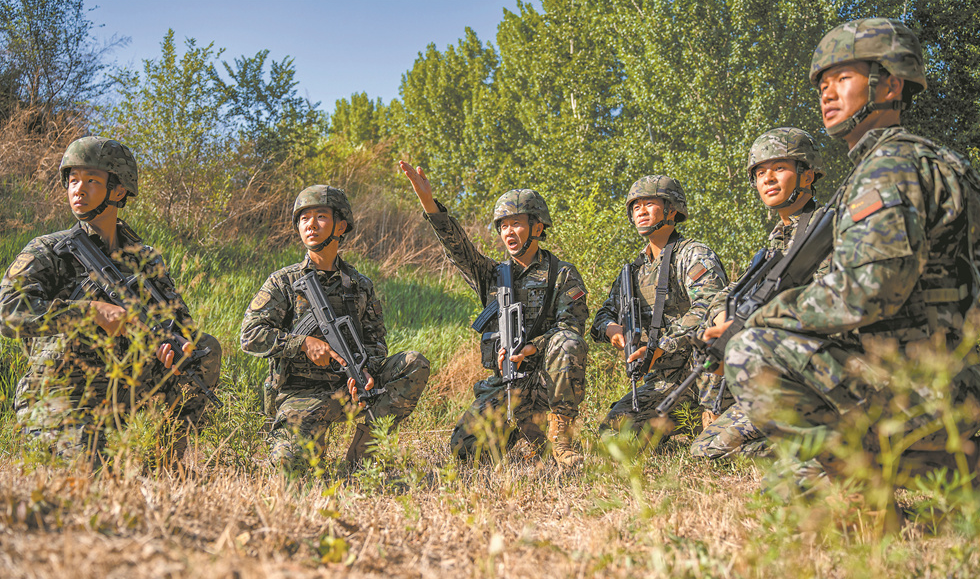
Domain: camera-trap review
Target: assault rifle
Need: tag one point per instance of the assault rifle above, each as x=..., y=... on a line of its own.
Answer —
x=630, y=320
x=510, y=328
x=765, y=279
x=341, y=334
x=106, y=280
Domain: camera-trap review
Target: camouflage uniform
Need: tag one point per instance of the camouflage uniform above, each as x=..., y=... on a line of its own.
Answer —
x=556, y=378
x=305, y=398
x=66, y=396
x=732, y=432
x=903, y=275
x=695, y=275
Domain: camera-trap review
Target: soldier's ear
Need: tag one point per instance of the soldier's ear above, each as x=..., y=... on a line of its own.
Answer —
x=806, y=178
x=341, y=227
x=117, y=194
x=537, y=229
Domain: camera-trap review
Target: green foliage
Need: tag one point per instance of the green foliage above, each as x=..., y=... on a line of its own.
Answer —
x=48, y=57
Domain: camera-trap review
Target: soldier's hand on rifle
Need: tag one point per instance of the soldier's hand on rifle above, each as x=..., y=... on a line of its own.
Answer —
x=320, y=352
x=352, y=387
x=716, y=331
x=642, y=351
x=527, y=350
x=110, y=317
x=423, y=189
x=166, y=355
x=615, y=334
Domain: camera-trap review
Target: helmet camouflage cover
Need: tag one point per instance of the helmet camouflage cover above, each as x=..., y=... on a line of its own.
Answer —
x=658, y=186
x=785, y=143
x=521, y=201
x=883, y=40
x=324, y=196
x=104, y=154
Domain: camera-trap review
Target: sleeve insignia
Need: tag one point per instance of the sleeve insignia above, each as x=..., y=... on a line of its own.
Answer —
x=865, y=205
x=20, y=264
x=575, y=293
x=697, y=271
x=259, y=300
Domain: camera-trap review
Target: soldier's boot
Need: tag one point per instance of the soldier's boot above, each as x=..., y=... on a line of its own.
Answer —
x=560, y=436
x=358, y=448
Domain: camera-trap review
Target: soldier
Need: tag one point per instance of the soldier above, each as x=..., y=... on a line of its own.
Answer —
x=654, y=205
x=306, y=386
x=902, y=280
x=555, y=313
x=783, y=165
x=69, y=394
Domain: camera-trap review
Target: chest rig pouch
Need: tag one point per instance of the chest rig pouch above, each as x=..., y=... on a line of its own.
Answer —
x=486, y=323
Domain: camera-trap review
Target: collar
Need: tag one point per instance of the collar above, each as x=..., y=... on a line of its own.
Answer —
x=536, y=262
x=341, y=267
x=677, y=237
x=869, y=141
x=124, y=232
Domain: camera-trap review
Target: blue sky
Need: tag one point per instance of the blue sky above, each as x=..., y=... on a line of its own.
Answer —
x=338, y=47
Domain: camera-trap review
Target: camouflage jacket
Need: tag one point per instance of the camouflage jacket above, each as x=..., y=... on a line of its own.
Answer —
x=780, y=239
x=902, y=255
x=695, y=275
x=568, y=311
x=37, y=301
x=267, y=330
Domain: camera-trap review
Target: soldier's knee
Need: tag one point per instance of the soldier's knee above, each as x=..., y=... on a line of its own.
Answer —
x=417, y=364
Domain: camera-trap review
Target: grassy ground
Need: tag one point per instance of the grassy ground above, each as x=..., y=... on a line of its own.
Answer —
x=416, y=512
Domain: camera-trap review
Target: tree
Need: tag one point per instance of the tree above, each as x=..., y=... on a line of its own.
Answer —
x=48, y=58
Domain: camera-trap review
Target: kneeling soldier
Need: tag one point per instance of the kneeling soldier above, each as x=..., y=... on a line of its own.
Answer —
x=554, y=312
x=68, y=291
x=674, y=279
x=307, y=389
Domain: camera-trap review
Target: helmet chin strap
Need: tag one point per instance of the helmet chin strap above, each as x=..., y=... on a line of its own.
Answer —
x=319, y=246
x=844, y=128
x=651, y=229
x=795, y=195
x=90, y=215
x=527, y=244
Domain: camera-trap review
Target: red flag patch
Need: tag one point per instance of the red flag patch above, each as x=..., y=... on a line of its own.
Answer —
x=575, y=293
x=865, y=205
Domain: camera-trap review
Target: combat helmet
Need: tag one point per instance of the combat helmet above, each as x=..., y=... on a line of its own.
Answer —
x=884, y=43
x=106, y=155
x=786, y=143
x=523, y=202
x=658, y=186
x=325, y=196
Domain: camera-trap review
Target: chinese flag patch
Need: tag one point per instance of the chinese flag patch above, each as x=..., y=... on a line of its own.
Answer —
x=865, y=205
x=575, y=293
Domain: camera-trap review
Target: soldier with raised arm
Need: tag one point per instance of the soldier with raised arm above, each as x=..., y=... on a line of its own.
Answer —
x=554, y=313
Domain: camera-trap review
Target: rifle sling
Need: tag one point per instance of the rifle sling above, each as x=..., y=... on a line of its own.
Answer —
x=548, y=298
x=663, y=281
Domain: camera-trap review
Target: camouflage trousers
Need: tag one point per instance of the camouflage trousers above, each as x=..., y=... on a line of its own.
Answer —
x=666, y=374
x=69, y=413
x=831, y=399
x=304, y=415
x=557, y=386
x=730, y=434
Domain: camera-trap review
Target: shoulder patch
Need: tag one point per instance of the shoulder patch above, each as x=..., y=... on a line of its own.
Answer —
x=865, y=205
x=697, y=271
x=575, y=293
x=20, y=264
x=259, y=300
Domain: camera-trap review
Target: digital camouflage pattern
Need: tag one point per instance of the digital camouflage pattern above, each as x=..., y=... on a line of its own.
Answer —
x=883, y=40
x=325, y=196
x=733, y=433
x=557, y=381
x=104, y=154
x=785, y=143
x=902, y=276
x=305, y=398
x=696, y=274
x=658, y=186
x=66, y=396
x=521, y=202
